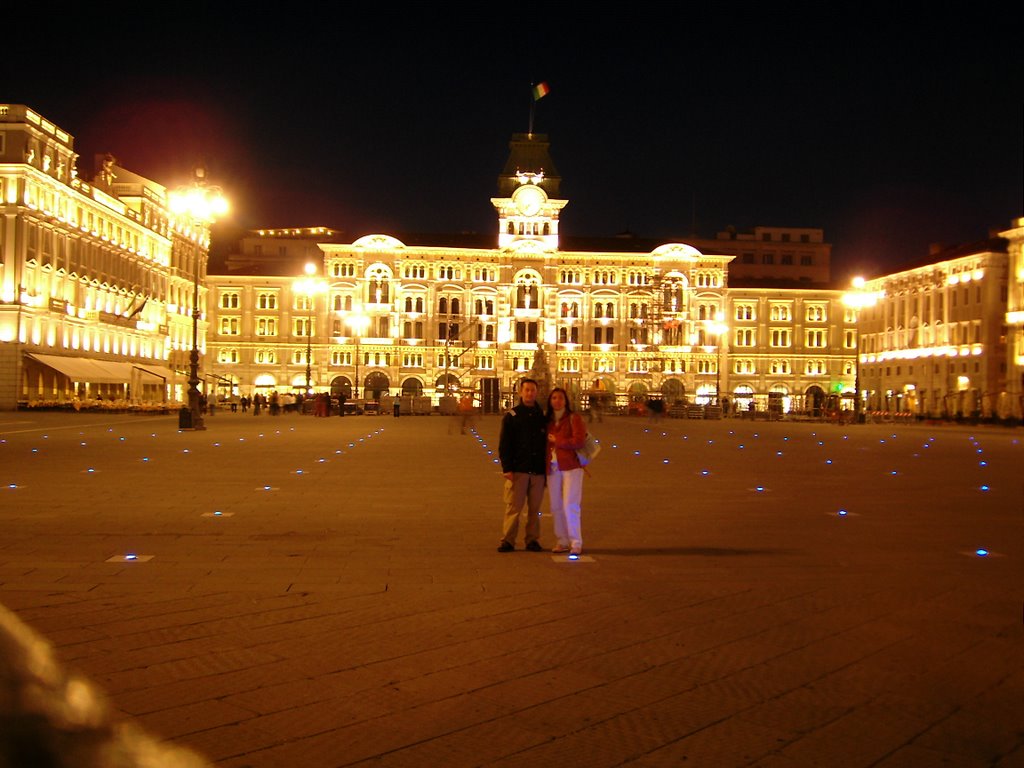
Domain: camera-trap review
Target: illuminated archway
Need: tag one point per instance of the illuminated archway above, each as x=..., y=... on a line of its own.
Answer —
x=705, y=394
x=637, y=391
x=446, y=383
x=412, y=387
x=265, y=380
x=375, y=385
x=673, y=390
x=341, y=385
x=814, y=399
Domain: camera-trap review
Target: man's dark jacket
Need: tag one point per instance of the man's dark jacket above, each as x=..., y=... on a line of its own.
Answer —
x=524, y=440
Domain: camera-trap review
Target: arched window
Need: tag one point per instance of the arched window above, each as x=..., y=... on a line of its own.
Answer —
x=442, y=305
x=526, y=296
x=455, y=306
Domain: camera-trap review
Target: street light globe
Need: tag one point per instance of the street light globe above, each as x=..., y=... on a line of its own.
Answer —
x=199, y=201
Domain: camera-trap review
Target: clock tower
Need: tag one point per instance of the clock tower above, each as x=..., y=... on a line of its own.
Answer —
x=528, y=208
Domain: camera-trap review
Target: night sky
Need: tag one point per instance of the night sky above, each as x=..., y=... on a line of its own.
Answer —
x=888, y=134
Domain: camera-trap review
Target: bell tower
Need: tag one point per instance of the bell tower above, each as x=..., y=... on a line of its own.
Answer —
x=528, y=208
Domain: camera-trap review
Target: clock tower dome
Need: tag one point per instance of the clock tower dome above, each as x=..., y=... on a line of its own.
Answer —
x=528, y=208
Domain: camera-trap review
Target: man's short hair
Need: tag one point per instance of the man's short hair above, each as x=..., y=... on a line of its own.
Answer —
x=528, y=381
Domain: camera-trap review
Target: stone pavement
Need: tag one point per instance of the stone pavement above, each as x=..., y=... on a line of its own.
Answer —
x=347, y=606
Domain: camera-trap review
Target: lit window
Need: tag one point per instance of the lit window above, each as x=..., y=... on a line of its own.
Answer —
x=266, y=326
x=230, y=326
x=744, y=337
x=817, y=338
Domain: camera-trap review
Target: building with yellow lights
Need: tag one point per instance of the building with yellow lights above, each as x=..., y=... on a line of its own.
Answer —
x=1015, y=320
x=430, y=315
x=933, y=338
x=97, y=279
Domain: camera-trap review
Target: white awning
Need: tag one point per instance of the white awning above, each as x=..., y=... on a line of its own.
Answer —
x=118, y=372
x=151, y=374
x=84, y=369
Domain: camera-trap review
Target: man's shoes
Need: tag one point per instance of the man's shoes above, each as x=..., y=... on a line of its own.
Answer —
x=506, y=547
x=560, y=549
x=534, y=546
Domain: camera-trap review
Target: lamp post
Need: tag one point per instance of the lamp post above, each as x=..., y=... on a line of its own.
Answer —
x=858, y=299
x=202, y=204
x=309, y=286
x=719, y=329
x=357, y=323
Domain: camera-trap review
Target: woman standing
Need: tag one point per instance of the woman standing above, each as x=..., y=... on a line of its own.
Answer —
x=566, y=435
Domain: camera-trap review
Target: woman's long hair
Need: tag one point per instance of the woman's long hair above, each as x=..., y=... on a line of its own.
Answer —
x=551, y=411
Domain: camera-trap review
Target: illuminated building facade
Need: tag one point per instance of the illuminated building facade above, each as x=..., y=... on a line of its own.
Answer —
x=933, y=339
x=791, y=348
x=1015, y=319
x=96, y=279
x=426, y=318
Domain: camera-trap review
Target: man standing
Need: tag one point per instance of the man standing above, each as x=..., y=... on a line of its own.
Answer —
x=522, y=448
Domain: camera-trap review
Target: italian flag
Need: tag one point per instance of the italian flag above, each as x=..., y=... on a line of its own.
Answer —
x=540, y=90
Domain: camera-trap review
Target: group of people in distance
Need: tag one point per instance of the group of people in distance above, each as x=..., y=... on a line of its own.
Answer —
x=537, y=450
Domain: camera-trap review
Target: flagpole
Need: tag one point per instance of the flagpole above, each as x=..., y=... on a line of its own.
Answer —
x=533, y=101
x=537, y=92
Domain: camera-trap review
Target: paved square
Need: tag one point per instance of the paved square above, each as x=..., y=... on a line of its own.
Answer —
x=327, y=592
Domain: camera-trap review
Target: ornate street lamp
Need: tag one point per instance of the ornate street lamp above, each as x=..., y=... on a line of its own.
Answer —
x=858, y=299
x=358, y=323
x=719, y=329
x=202, y=203
x=309, y=287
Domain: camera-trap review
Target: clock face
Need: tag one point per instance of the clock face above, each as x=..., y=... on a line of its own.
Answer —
x=529, y=199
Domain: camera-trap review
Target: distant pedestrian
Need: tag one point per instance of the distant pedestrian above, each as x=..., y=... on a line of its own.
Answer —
x=341, y=404
x=466, y=412
x=397, y=406
x=322, y=404
x=522, y=447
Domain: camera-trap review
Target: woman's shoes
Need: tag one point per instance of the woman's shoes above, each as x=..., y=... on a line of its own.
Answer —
x=574, y=553
x=559, y=549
